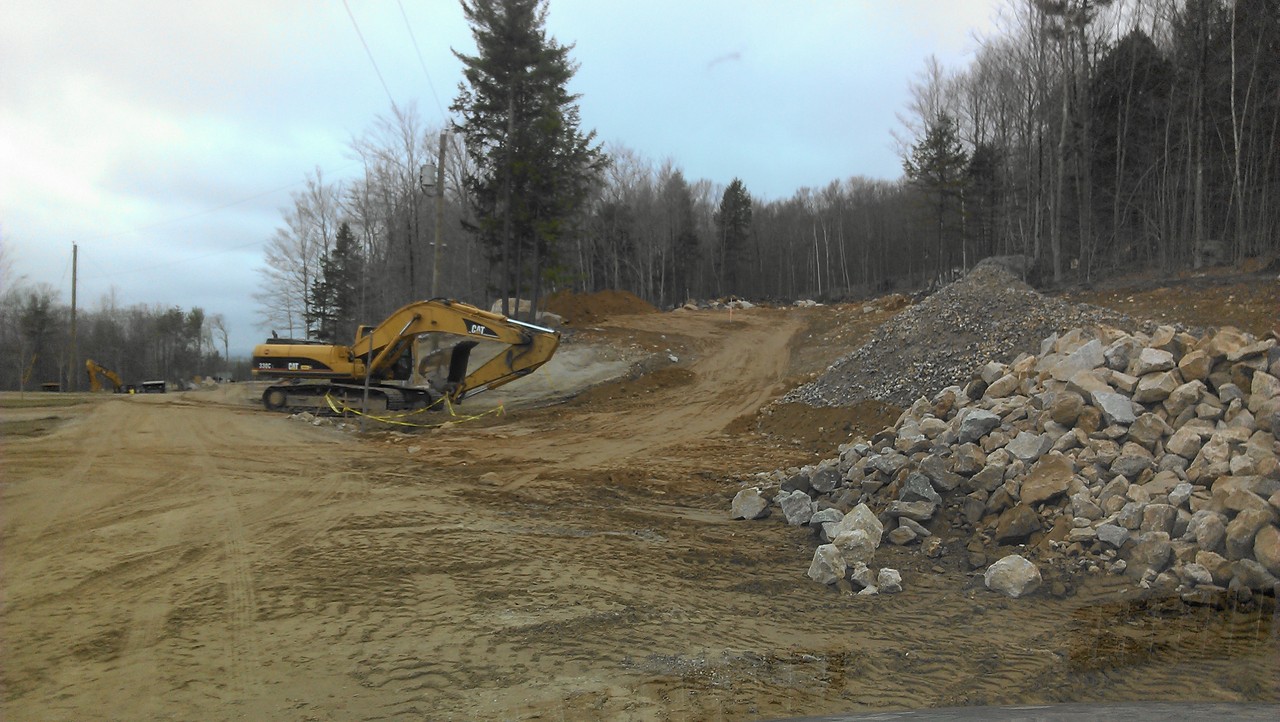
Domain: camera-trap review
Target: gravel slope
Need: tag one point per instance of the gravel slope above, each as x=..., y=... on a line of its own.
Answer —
x=989, y=315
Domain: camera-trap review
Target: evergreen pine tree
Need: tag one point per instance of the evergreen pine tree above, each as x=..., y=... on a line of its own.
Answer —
x=733, y=221
x=936, y=167
x=520, y=124
x=334, y=295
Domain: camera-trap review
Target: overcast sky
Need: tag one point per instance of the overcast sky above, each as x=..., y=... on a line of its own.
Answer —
x=165, y=137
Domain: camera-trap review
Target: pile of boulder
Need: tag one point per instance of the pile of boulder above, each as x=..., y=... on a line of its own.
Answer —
x=718, y=304
x=1152, y=455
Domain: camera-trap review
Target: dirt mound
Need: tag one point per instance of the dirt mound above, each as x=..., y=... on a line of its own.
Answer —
x=578, y=309
x=820, y=429
x=1248, y=302
x=990, y=314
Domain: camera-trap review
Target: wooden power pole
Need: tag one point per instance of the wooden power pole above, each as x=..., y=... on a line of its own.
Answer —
x=72, y=376
x=435, y=252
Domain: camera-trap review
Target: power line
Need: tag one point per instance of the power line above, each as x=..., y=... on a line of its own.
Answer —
x=422, y=62
x=368, y=52
x=197, y=214
x=179, y=261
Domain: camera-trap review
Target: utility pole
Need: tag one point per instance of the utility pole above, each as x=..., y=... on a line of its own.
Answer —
x=435, y=255
x=72, y=376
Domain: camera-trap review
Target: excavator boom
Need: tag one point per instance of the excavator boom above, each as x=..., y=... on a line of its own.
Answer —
x=95, y=370
x=391, y=357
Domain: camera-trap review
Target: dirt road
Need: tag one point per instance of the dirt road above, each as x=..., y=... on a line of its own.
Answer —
x=190, y=556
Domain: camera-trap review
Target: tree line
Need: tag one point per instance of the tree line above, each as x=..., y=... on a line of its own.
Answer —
x=140, y=343
x=1097, y=135
x=1091, y=136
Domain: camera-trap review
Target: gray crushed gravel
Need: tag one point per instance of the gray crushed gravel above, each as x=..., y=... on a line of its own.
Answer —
x=989, y=315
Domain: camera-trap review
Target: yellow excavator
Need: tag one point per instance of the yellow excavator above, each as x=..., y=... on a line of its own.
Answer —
x=419, y=355
x=97, y=372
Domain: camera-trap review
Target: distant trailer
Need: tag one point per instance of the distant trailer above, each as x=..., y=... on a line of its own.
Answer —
x=51, y=386
x=151, y=387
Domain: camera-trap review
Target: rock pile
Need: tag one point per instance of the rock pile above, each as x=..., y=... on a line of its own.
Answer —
x=851, y=538
x=1151, y=455
x=718, y=304
x=990, y=314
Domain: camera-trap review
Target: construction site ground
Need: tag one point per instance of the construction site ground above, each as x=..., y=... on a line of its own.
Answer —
x=192, y=556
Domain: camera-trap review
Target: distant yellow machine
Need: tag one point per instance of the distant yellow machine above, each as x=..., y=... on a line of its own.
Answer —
x=379, y=371
x=97, y=372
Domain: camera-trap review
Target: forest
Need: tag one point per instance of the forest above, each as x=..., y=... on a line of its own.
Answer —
x=139, y=343
x=1093, y=137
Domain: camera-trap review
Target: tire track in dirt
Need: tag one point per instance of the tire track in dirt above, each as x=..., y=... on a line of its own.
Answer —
x=154, y=527
x=198, y=469
x=260, y=525
x=145, y=633
x=690, y=564
x=88, y=459
x=242, y=649
x=736, y=369
x=571, y=562
x=141, y=550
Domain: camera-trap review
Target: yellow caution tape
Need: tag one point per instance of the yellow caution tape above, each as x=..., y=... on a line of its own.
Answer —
x=395, y=419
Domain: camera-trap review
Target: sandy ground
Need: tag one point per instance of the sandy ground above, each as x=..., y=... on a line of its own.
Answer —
x=191, y=556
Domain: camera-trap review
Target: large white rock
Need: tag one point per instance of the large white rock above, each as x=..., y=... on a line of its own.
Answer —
x=1184, y=397
x=1013, y=575
x=1002, y=387
x=828, y=566
x=855, y=546
x=1028, y=447
x=1185, y=442
x=860, y=517
x=1266, y=548
x=889, y=581
x=515, y=306
x=1265, y=387
x=748, y=504
x=975, y=424
x=1116, y=408
x=1050, y=477
x=862, y=575
x=1088, y=356
x=1156, y=387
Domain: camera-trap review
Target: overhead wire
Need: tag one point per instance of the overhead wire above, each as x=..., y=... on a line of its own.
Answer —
x=166, y=264
x=256, y=196
x=422, y=63
x=386, y=89
x=369, y=53
x=199, y=213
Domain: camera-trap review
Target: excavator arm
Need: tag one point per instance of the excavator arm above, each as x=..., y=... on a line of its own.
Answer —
x=95, y=370
x=516, y=361
x=529, y=346
x=386, y=341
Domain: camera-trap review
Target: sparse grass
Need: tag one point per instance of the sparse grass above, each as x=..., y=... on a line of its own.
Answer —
x=38, y=399
x=30, y=427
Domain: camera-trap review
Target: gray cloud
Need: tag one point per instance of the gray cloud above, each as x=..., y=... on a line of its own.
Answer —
x=727, y=57
x=166, y=136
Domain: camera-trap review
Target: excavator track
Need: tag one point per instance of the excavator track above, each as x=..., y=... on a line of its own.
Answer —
x=315, y=397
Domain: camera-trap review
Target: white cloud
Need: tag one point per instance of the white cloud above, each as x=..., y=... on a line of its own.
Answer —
x=166, y=136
